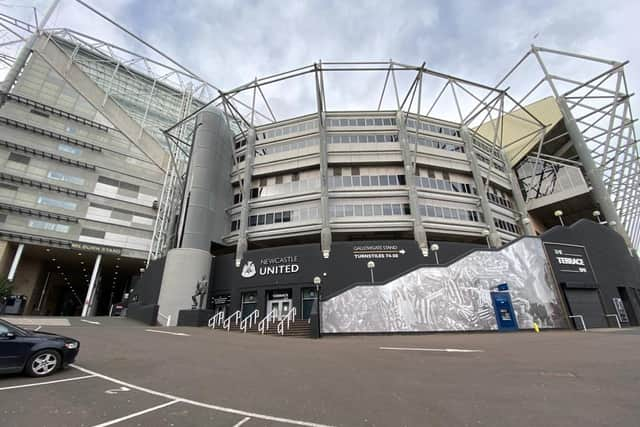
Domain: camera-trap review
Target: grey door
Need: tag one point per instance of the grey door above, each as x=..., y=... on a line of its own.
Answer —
x=586, y=302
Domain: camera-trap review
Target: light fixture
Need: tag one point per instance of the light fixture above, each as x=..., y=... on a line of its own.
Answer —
x=485, y=233
x=48, y=249
x=558, y=214
x=80, y=253
x=371, y=265
x=81, y=262
x=58, y=267
x=53, y=259
x=435, y=248
x=596, y=214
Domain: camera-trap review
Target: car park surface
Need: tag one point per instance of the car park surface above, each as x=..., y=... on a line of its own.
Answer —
x=141, y=376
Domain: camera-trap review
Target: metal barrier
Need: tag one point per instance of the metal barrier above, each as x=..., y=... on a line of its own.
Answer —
x=217, y=319
x=265, y=322
x=617, y=319
x=227, y=322
x=288, y=318
x=579, y=316
x=248, y=321
x=168, y=317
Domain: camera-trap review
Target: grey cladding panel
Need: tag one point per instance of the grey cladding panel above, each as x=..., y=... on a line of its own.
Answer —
x=456, y=297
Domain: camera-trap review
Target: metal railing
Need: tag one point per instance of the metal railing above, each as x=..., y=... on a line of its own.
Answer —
x=248, y=321
x=579, y=316
x=263, y=325
x=167, y=317
x=617, y=319
x=290, y=317
x=217, y=319
x=227, y=322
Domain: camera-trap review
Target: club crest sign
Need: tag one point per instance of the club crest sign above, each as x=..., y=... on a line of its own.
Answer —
x=271, y=267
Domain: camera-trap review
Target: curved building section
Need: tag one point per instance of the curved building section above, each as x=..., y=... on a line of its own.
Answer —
x=208, y=182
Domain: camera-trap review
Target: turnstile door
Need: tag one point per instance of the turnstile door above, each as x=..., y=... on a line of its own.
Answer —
x=586, y=302
x=504, y=311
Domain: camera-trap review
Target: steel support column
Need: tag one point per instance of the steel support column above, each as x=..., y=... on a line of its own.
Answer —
x=247, y=175
x=89, y=299
x=493, y=239
x=419, y=233
x=325, y=233
x=518, y=198
x=15, y=262
x=599, y=190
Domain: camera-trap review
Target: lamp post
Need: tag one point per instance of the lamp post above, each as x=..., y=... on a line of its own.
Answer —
x=485, y=233
x=371, y=265
x=435, y=248
x=596, y=214
x=558, y=214
x=316, y=281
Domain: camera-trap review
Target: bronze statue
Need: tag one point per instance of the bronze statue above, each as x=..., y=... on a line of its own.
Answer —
x=201, y=292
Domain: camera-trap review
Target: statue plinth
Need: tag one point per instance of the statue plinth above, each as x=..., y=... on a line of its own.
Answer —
x=194, y=317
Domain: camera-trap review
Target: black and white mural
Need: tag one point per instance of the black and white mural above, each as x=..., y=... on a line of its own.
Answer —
x=452, y=298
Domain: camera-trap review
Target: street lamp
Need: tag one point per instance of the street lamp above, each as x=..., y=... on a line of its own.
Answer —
x=371, y=265
x=558, y=215
x=485, y=234
x=596, y=214
x=435, y=248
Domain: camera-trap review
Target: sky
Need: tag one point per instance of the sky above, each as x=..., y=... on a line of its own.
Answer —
x=229, y=43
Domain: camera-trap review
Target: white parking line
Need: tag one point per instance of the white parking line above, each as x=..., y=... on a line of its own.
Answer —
x=93, y=322
x=180, y=334
x=445, y=350
x=242, y=421
x=126, y=417
x=47, y=382
x=201, y=404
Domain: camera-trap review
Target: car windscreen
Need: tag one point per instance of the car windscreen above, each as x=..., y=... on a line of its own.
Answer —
x=18, y=328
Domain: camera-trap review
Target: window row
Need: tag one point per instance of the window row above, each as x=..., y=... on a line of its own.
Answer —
x=304, y=213
x=380, y=209
x=499, y=200
x=283, y=131
x=438, y=144
x=59, y=176
x=48, y=226
x=364, y=181
x=353, y=139
x=451, y=213
x=390, y=121
x=292, y=187
x=56, y=203
x=412, y=123
x=288, y=146
x=486, y=147
x=497, y=164
x=444, y=185
x=506, y=225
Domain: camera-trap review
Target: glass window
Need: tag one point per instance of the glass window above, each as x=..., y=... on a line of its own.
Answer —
x=368, y=210
x=406, y=209
x=365, y=181
x=375, y=181
x=356, y=181
x=361, y=122
x=431, y=211
x=339, y=211
x=402, y=180
x=348, y=210
x=279, y=179
x=393, y=180
x=59, y=176
x=377, y=210
x=286, y=216
x=440, y=184
x=397, y=209
x=277, y=217
x=49, y=226
x=378, y=122
x=69, y=149
x=439, y=213
x=337, y=171
x=357, y=210
x=387, y=210
x=346, y=181
x=384, y=180
x=253, y=220
x=261, y=219
x=47, y=201
x=355, y=170
x=369, y=122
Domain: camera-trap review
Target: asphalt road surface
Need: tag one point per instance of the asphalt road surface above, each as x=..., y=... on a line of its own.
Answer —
x=137, y=376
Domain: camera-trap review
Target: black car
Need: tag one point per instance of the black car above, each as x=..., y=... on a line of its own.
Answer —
x=35, y=353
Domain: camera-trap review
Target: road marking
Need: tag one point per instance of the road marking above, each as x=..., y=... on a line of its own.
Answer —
x=201, y=404
x=135, y=414
x=242, y=421
x=117, y=390
x=93, y=322
x=47, y=382
x=180, y=334
x=444, y=350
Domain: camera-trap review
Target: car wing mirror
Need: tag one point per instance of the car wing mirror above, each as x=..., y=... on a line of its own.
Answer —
x=9, y=335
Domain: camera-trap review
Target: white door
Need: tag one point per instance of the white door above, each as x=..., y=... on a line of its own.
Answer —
x=280, y=308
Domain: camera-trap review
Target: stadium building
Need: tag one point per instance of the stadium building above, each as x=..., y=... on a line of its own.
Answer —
x=396, y=209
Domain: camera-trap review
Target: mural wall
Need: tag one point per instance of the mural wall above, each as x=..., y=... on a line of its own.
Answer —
x=452, y=298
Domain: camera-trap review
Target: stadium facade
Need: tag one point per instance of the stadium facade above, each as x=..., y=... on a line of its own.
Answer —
x=409, y=216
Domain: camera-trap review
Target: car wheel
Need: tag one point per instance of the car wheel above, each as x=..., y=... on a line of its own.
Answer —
x=43, y=363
